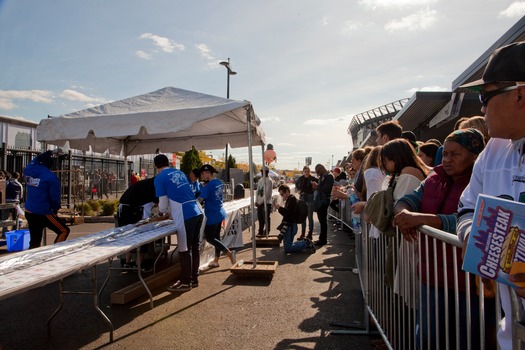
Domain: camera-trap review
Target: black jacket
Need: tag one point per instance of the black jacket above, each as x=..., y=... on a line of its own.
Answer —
x=289, y=210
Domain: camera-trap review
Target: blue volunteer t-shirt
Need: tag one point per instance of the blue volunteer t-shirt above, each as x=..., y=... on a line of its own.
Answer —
x=174, y=184
x=212, y=194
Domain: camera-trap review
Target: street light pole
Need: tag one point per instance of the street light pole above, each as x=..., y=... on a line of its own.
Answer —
x=229, y=72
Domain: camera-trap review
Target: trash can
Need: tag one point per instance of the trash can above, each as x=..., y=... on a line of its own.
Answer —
x=238, y=191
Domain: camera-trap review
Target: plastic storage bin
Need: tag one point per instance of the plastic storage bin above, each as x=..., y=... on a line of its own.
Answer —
x=17, y=240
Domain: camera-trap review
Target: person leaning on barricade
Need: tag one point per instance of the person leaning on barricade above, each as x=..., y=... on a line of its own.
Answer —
x=374, y=178
x=406, y=171
x=500, y=169
x=427, y=152
x=358, y=157
x=434, y=203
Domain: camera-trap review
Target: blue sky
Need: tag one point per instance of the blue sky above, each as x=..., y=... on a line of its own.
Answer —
x=306, y=66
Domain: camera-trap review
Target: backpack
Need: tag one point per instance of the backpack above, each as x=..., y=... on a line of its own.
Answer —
x=301, y=211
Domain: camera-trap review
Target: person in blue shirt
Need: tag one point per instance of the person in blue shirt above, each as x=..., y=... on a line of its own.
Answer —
x=212, y=195
x=195, y=184
x=174, y=192
x=43, y=200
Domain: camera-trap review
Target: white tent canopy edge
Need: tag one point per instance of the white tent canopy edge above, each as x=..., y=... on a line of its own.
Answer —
x=166, y=120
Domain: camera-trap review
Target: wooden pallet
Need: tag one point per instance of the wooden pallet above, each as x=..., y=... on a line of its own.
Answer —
x=271, y=240
x=135, y=290
x=246, y=268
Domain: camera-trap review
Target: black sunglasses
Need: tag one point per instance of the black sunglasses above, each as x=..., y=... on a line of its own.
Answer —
x=484, y=97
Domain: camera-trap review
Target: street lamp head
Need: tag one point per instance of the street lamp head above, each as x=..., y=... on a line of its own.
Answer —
x=227, y=65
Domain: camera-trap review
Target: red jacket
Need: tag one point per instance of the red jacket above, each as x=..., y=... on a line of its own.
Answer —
x=441, y=196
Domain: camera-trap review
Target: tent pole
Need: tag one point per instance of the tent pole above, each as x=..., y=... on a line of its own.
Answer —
x=252, y=204
x=126, y=173
x=264, y=173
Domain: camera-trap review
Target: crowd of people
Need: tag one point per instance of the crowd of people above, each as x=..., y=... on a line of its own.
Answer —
x=432, y=182
x=436, y=184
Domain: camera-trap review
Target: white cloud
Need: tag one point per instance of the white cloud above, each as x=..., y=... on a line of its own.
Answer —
x=205, y=51
x=73, y=95
x=143, y=55
x=420, y=20
x=375, y=4
x=270, y=119
x=327, y=121
x=285, y=144
x=6, y=103
x=165, y=44
x=516, y=9
x=351, y=26
x=7, y=97
x=427, y=88
x=299, y=134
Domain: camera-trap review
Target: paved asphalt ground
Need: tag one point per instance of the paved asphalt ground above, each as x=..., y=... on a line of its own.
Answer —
x=309, y=295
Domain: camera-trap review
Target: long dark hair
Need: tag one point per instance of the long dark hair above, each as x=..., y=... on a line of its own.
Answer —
x=372, y=161
x=402, y=154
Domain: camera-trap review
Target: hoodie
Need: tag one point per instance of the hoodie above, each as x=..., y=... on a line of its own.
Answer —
x=43, y=187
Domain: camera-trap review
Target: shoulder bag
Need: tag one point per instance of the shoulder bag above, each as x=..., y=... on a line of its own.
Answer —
x=380, y=210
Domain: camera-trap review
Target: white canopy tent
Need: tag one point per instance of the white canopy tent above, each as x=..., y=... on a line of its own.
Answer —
x=166, y=120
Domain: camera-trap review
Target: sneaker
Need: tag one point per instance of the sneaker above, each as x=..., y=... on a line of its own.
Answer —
x=311, y=246
x=179, y=287
x=232, y=255
x=319, y=243
x=194, y=284
x=213, y=264
x=309, y=250
x=146, y=269
x=129, y=265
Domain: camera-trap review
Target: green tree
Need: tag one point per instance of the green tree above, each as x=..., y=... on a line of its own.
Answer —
x=190, y=161
x=231, y=162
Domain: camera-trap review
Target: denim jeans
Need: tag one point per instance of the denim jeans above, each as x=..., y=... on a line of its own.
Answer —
x=289, y=245
x=309, y=198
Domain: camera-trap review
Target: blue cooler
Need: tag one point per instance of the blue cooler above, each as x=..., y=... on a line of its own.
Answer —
x=17, y=240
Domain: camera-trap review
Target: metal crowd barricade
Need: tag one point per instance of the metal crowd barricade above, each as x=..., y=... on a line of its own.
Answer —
x=445, y=310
